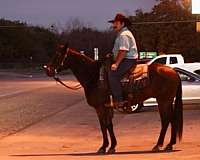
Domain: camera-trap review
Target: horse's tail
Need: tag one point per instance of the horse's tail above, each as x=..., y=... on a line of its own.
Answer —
x=178, y=112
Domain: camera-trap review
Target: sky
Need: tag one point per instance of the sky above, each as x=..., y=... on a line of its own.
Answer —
x=96, y=13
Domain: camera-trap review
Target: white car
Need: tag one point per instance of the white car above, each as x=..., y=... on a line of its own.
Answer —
x=190, y=86
x=190, y=67
x=168, y=59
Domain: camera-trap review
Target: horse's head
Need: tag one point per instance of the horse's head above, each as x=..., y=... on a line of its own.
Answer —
x=57, y=60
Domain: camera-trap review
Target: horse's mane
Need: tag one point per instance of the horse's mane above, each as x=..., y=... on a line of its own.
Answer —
x=87, y=69
x=82, y=56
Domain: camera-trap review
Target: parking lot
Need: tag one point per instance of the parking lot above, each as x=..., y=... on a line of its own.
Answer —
x=46, y=121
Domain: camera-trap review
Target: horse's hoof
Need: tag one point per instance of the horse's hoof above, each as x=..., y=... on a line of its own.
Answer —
x=168, y=148
x=111, y=151
x=101, y=151
x=156, y=149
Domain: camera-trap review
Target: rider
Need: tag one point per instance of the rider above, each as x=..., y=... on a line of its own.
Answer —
x=125, y=56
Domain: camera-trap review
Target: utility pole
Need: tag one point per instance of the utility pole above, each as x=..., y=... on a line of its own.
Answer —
x=96, y=54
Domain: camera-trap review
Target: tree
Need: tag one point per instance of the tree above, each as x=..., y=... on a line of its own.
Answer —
x=85, y=38
x=18, y=42
x=169, y=27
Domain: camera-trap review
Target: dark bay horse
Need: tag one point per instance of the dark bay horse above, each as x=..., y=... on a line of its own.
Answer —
x=165, y=86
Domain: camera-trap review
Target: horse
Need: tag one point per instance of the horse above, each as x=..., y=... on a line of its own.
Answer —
x=165, y=85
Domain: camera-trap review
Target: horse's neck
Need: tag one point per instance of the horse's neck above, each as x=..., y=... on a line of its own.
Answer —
x=86, y=73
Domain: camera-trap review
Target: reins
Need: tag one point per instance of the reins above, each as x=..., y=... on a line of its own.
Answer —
x=57, y=79
x=76, y=87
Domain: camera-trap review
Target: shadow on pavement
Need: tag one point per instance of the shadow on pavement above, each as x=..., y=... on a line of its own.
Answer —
x=92, y=154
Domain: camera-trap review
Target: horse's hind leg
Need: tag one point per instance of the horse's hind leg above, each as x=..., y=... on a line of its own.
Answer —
x=165, y=115
x=169, y=147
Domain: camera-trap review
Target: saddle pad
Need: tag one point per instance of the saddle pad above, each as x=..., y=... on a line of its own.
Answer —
x=136, y=73
x=139, y=72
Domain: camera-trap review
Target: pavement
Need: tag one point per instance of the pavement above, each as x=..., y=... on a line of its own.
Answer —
x=74, y=134
x=48, y=122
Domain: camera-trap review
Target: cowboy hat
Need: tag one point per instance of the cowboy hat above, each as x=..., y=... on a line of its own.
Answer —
x=120, y=17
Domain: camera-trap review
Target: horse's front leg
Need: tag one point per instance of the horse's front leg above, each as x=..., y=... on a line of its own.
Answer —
x=111, y=131
x=102, y=120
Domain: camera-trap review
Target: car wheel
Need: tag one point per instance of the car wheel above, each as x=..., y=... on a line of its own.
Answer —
x=134, y=108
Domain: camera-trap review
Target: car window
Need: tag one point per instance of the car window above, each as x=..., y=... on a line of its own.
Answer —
x=197, y=71
x=161, y=60
x=173, y=60
x=185, y=77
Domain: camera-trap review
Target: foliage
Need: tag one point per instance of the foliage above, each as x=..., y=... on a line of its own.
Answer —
x=19, y=42
x=169, y=27
x=86, y=39
x=172, y=29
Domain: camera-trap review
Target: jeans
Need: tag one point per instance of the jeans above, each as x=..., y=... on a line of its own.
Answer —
x=114, y=78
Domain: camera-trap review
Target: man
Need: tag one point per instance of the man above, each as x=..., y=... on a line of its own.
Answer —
x=125, y=56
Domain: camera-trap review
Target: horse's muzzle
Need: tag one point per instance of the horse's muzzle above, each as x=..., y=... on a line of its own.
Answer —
x=49, y=70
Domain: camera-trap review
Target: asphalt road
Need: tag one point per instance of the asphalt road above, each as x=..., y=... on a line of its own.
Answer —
x=26, y=101
x=41, y=120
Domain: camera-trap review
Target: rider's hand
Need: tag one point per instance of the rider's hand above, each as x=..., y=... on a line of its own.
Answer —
x=114, y=67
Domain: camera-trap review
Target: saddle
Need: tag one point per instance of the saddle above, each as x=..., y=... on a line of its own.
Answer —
x=139, y=72
x=137, y=77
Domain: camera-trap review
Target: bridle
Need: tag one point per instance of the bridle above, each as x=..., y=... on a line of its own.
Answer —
x=57, y=79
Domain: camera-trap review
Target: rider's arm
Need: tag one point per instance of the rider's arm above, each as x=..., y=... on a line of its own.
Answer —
x=123, y=49
x=120, y=56
x=124, y=46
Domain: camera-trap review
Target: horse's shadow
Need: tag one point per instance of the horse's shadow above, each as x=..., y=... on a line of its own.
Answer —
x=93, y=154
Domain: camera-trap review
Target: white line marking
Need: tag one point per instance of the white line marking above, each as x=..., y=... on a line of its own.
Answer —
x=12, y=93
